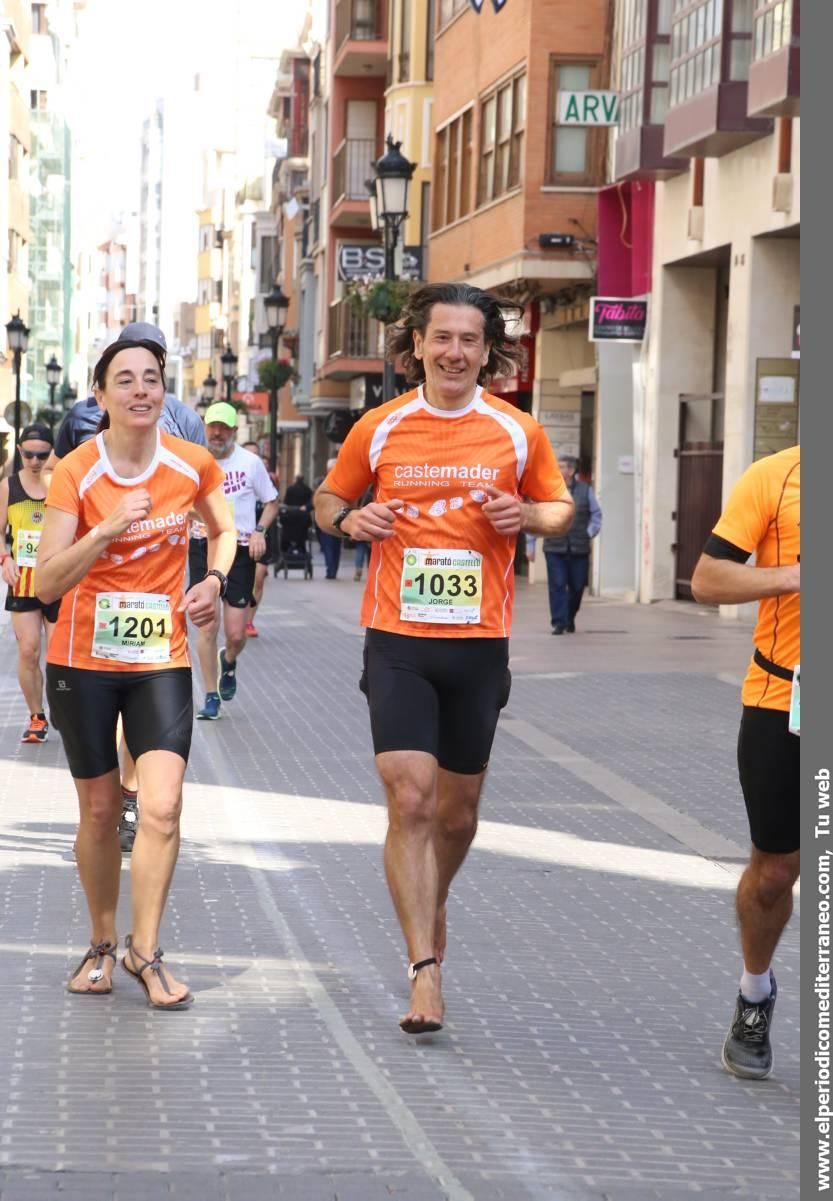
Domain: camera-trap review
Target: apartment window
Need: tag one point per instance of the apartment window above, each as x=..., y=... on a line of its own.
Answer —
x=773, y=27
x=646, y=55
x=452, y=191
x=429, y=39
x=449, y=9
x=39, y=101
x=699, y=31
x=203, y=346
x=404, y=64
x=502, y=123
x=204, y=287
x=206, y=237
x=268, y=264
x=575, y=153
x=39, y=22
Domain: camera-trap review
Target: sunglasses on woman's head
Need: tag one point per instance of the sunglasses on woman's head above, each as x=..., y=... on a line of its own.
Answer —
x=36, y=454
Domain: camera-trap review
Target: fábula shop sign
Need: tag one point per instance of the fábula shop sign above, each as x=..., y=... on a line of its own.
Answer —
x=615, y=320
x=356, y=261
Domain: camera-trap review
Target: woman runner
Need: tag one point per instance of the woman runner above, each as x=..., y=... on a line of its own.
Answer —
x=114, y=547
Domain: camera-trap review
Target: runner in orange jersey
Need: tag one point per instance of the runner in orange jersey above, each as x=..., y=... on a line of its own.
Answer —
x=762, y=517
x=114, y=548
x=22, y=509
x=458, y=474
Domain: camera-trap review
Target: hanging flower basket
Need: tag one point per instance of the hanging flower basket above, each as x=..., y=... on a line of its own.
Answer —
x=273, y=374
x=383, y=299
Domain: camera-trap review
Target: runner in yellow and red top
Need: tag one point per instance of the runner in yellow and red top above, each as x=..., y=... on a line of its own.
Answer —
x=458, y=474
x=22, y=509
x=762, y=518
x=114, y=547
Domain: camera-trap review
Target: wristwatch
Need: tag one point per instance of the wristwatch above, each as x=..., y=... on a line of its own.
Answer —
x=223, y=580
x=259, y=529
x=339, y=517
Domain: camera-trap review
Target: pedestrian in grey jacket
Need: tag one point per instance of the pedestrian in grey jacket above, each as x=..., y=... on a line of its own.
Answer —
x=568, y=556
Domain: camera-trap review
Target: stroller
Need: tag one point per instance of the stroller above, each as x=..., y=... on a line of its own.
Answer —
x=294, y=541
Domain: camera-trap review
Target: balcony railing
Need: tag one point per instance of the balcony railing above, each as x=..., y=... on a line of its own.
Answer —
x=352, y=335
x=351, y=167
x=359, y=20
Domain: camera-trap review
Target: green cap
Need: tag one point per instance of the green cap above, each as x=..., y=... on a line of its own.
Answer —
x=222, y=411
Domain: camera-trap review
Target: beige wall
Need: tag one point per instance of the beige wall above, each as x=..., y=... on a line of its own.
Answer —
x=739, y=221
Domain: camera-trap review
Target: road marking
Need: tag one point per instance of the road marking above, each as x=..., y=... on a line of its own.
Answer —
x=413, y=1135
x=684, y=829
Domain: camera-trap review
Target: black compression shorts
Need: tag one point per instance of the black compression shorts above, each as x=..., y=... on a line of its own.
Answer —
x=30, y=604
x=438, y=695
x=241, y=577
x=156, y=708
x=768, y=764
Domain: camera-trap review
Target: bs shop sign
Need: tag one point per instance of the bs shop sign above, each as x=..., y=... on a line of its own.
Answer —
x=588, y=108
x=359, y=261
x=615, y=320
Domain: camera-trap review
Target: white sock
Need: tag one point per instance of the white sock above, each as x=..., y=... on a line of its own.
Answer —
x=755, y=988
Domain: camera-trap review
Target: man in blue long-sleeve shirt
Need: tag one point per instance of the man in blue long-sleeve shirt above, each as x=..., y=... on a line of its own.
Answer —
x=568, y=556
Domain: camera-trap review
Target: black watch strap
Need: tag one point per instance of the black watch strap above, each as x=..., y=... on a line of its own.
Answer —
x=340, y=516
x=223, y=580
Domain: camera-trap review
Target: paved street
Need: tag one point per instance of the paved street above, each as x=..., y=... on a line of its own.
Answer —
x=591, y=970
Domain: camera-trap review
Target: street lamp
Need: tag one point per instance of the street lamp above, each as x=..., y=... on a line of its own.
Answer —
x=228, y=360
x=53, y=378
x=18, y=338
x=277, y=307
x=393, y=175
x=209, y=387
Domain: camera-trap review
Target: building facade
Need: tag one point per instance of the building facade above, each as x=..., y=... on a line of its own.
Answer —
x=703, y=219
x=15, y=135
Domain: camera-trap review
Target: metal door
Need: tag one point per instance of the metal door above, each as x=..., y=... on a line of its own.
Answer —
x=699, y=485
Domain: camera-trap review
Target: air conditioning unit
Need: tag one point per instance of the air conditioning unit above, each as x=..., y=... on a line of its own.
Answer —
x=782, y=193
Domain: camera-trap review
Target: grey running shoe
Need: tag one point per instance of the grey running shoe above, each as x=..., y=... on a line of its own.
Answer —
x=228, y=677
x=128, y=822
x=747, y=1051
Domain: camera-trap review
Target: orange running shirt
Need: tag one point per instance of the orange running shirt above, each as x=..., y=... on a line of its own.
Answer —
x=763, y=516
x=148, y=558
x=437, y=462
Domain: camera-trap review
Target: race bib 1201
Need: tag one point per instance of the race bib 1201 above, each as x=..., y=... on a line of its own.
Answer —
x=441, y=586
x=132, y=627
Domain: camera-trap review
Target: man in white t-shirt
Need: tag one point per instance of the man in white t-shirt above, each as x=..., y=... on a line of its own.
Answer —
x=246, y=482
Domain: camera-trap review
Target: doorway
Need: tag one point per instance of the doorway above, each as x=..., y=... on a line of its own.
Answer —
x=699, y=483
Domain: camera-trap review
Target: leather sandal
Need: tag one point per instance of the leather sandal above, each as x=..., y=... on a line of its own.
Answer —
x=97, y=952
x=427, y=1025
x=155, y=965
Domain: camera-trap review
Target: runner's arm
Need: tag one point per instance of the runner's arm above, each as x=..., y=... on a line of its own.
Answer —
x=547, y=518
x=728, y=582
x=215, y=514
x=62, y=561
x=270, y=512
x=369, y=523
x=9, y=569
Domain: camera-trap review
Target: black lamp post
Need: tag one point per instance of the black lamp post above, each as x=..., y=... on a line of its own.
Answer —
x=393, y=175
x=209, y=389
x=53, y=378
x=277, y=307
x=228, y=360
x=18, y=338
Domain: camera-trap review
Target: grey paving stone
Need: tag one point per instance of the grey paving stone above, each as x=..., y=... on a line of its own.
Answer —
x=591, y=970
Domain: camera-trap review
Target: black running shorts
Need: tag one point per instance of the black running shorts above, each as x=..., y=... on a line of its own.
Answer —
x=438, y=695
x=768, y=764
x=156, y=708
x=241, y=577
x=30, y=604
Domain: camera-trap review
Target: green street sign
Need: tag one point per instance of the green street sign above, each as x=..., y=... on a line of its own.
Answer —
x=588, y=108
